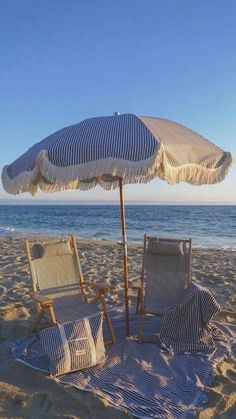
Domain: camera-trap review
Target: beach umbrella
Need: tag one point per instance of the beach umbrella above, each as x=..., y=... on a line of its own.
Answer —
x=112, y=151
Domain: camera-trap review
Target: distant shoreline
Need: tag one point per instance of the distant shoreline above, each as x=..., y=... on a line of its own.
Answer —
x=106, y=242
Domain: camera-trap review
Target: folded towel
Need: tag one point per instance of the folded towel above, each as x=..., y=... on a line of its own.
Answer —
x=186, y=327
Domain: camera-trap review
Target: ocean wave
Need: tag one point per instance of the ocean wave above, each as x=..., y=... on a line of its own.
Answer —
x=231, y=248
x=5, y=231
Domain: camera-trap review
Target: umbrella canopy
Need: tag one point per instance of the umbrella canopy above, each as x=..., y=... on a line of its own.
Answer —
x=101, y=150
x=116, y=150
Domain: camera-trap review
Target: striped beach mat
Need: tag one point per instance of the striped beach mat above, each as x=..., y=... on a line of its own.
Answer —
x=142, y=379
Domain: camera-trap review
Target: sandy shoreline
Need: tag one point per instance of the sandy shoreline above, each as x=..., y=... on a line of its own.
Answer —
x=25, y=393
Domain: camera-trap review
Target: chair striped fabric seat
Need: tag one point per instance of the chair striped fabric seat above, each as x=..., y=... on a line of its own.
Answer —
x=69, y=308
x=59, y=287
x=166, y=272
x=157, y=306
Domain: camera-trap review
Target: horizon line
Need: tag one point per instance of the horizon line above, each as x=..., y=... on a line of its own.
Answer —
x=26, y=202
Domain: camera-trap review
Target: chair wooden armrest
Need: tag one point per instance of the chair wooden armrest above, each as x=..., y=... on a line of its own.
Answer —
x=99, y=287
x=41, y=299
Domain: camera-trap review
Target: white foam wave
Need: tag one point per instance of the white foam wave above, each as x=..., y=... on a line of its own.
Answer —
x=5, y=231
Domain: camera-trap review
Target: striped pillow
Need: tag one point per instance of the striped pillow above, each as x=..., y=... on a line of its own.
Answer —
x=57, y=249
x=51, y=249
x=166, y=248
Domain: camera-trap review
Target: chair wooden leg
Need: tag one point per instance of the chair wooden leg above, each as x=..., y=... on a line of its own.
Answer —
x=37, y=319
x=41, y=314
x=52, y=314
x=138, y=300
x=111, y=331
x=140, y=328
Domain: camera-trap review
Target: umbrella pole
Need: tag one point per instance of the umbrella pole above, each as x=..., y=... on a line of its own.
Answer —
x=126, y=285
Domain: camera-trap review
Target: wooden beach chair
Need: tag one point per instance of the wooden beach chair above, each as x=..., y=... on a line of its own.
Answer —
x=166, y=271
x=58, y=284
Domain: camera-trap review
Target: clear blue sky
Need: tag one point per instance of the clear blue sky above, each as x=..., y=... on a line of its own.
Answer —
x=63, y=61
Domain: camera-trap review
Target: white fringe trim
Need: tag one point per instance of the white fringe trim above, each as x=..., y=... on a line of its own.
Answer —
x=106, y=173
x=195, y=174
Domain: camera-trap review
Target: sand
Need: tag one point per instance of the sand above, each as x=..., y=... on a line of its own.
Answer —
x=24, y=393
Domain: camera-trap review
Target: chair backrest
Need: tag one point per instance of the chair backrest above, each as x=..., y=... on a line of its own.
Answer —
x=55, y=267
x=166, y=269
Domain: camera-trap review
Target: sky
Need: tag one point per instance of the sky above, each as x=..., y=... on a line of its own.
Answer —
x=61, y=62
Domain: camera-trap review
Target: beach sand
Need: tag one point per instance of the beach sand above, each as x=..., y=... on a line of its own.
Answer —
x=25, y=393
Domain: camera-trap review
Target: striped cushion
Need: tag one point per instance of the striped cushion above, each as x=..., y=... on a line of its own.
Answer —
x=57, y=249
x=165, y=248
x=51, y=249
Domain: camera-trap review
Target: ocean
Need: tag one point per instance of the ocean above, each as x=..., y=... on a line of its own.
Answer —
x=210, y=226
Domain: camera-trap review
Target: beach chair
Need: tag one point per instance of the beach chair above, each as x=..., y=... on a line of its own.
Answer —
x=166, y=271
x=59, y=288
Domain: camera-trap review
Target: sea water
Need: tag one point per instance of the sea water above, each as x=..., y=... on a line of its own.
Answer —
x=210, y=226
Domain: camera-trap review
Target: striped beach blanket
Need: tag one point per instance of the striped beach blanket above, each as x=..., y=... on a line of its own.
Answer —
x=187, y=326
x=144, y=380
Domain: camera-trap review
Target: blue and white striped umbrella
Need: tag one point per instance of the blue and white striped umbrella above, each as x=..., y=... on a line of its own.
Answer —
x=101, y=150
x=116, y=150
